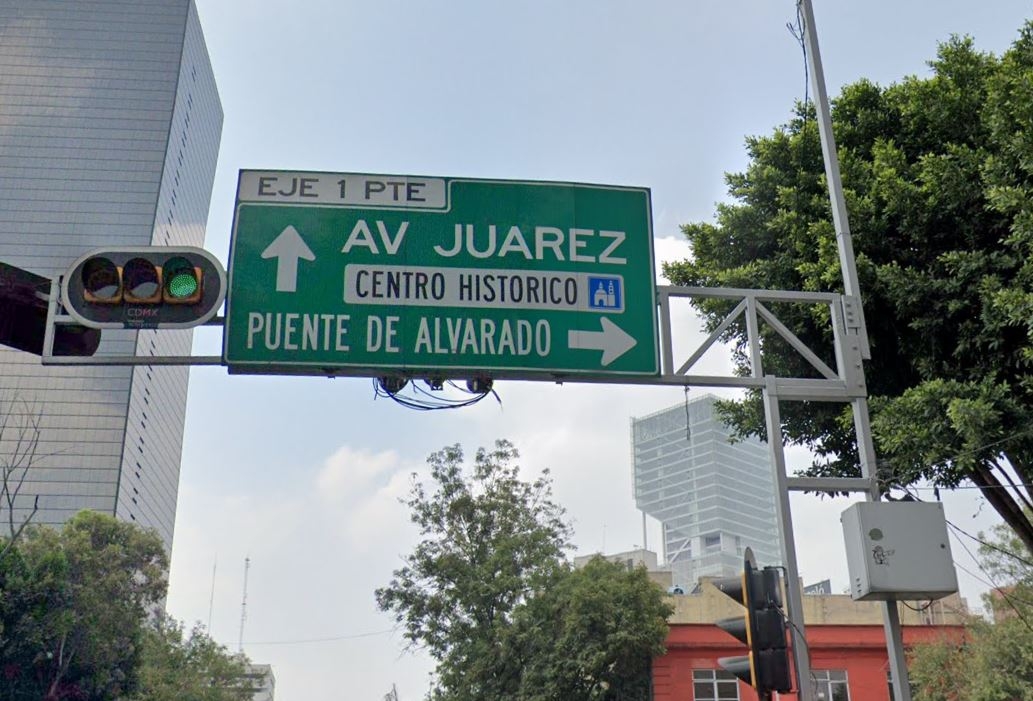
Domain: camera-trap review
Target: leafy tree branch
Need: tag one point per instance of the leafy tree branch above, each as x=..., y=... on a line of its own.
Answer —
x=938, y=178
x=488, y=592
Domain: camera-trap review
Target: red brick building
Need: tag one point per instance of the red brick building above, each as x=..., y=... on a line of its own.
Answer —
x=846, y=640
x=849, y=662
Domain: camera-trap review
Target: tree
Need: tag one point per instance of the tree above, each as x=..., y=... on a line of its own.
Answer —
x=1009, y=565
x=938, y=176
x=995, y=660
x=592, y=634
x=489, y=540
x=72, y=606
x=20, y=430
x=927, y=667
x=994, y=663
x=175, y=666
x=489, y=593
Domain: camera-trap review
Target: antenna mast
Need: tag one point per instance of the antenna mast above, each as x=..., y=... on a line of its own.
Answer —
x=243, y=606
x=211, y=600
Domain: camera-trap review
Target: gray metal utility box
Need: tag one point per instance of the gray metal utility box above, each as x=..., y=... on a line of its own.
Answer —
x=898, y=550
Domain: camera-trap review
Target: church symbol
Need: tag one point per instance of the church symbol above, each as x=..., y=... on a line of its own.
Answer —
x=605, y=293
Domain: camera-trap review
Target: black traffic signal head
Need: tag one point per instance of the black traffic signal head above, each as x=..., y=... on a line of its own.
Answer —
x=740, y=627
x=149, y=287
x=762, y=629
x=24, y=298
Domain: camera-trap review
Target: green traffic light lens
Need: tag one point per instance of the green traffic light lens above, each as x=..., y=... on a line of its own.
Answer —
x=182, y=286
x=181, y=281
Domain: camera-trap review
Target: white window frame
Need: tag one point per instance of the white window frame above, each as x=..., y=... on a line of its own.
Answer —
x=720, y=684
x=828, y=681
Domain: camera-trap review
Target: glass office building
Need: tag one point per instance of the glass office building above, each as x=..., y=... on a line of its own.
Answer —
x=109, y=133
x=713, y=497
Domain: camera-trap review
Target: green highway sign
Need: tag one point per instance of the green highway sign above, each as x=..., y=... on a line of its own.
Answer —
x=347, y=273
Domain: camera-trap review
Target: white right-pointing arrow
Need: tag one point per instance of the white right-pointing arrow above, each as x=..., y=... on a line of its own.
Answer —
x=287, y=248
x=612, y=340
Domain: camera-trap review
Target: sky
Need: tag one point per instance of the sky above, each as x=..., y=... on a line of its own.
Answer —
x=302, y=476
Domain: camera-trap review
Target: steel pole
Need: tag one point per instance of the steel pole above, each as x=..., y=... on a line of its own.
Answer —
x=794, y=598
x=851, y=288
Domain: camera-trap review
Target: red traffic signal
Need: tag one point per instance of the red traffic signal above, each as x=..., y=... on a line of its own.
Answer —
x=762, y=629
x=144, y=287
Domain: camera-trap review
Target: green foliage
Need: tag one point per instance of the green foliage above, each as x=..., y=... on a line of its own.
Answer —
x=938, y=177
x=592, y=634
x=179, y=667
x=994, y=664
x=995, y=661
x=71, y=606
x=489, y=540
x=1002, y=662
x=927, y=671
x=488, y=593
x=79, y=621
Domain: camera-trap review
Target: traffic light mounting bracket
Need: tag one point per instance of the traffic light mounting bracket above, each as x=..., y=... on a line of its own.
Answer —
x=57, y=316
x=136, y=288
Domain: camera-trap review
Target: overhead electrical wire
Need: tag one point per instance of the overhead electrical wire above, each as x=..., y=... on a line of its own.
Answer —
x=332, y=639
x=797, y=30
x=1011, y=601
x=1014, y=556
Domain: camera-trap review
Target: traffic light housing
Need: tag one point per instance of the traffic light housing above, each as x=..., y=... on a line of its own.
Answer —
x=145, y=287
x=766, y=667
x=24, y=299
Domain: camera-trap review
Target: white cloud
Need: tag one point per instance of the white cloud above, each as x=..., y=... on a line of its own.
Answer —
x=349, y=471
x=381, y=519
x=669, y=249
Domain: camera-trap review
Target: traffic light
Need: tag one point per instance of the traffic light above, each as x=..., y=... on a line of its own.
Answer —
x=24, y=299
x=148, y=287
x=766, y=667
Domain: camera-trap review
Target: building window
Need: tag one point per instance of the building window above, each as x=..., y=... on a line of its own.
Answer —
x=714, y=685
x=830, y=684
x=712, y=542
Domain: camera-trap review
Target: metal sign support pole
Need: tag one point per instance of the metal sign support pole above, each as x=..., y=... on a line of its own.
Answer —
x=856, y=329
x=840, y=220
x=794, y=598
x=890, y=613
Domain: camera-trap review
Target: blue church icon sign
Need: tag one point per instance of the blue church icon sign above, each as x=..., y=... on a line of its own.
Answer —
x=605, y=293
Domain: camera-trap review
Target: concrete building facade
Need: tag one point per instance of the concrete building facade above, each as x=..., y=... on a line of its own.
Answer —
x=713, y=498
x=630, y=559
x=263, y=680
x=845, y=638
x=110, y=123
x=848, y=662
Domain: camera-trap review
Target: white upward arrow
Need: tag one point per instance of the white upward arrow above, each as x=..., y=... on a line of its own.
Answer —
x=287, y=248
x=613, y=341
